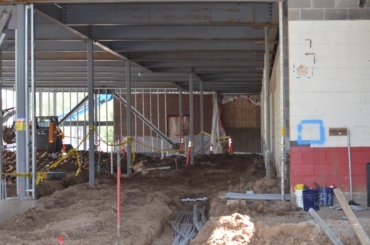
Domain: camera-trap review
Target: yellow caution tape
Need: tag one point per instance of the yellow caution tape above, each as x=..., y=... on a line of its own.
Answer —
x=40, y=176
x=214, y=136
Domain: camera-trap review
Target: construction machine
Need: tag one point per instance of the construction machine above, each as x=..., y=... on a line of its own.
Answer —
x=49, y=136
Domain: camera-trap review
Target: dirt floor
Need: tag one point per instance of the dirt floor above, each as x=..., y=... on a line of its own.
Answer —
x=150, y=202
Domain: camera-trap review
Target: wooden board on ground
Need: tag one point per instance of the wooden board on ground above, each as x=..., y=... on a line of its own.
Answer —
x=360, y=233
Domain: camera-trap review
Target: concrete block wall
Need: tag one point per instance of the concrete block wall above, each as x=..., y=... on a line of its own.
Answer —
x=275, y=112
x=329, y=64
x=150, y=108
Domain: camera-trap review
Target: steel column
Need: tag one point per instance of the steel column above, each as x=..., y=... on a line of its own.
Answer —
x=21, y=106
x=1, y=123
x=266, y=103
x=143, y=110
x=128, y=115
x=120, y=104
x=165, y=112
x=90, y=74
x=54, y=103
x=120, y=116
x=77, y=127
x=33, y=102
x=84, y=126
x=40, y=103
x=27, y=98
x=70, y=107
x=282, y=113
x=106, y=118
x=191, y=109
x=151, y=119
x=180, y=116
x=201, y=118
x=157, y=115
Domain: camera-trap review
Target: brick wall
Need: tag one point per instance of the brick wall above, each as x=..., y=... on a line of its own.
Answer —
x=151, y=108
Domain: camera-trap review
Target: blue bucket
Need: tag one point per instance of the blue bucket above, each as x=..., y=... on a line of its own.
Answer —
x=311, y=199
x=326, y=196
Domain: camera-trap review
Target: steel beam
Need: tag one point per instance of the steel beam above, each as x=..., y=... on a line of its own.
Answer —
x=157, y=46
x=190, y=13
x=243, y=56
x=57, y=45
x=145, y=120
x=128, y=115
x=3, y=20
x=82, y=36
x=198, y=70
x=138, y=1
x=73, y=110
x=191, y=110
x=90, y=65
x=176, y=33
x=206, y=63
x=21, y=103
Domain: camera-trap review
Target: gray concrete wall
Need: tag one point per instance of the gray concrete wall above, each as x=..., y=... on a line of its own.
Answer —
x=11, y=207
x=327, y=10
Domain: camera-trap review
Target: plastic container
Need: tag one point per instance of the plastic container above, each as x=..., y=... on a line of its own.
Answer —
x=311, y=199
x=326, y=196
x=299, y=187
x=299, y=198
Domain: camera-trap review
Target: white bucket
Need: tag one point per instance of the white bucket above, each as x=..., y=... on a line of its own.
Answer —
x=299, y=198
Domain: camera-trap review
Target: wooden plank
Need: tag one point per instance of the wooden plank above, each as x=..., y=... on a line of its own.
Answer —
x=337, y=131
x=325, y=227
x=356, y=226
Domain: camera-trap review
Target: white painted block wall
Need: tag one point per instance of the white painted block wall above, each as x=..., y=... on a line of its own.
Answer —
x=336, y=88
x=275, y=112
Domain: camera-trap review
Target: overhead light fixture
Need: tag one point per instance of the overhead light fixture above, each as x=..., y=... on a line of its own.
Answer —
x=139, y=74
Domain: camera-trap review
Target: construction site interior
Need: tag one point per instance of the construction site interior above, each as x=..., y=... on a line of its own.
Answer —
x=184, y=122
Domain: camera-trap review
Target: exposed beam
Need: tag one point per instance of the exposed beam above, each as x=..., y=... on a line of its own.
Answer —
x=177, y=33
x=171, y=13
x=194, y=55
x=136, y=1
x=214, y=69
x=207, y=63
x=157, y=46
x=82, y=36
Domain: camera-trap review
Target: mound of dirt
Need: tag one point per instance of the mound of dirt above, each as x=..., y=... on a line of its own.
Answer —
x=226, y=230
x=88, y=216
x=238, y=229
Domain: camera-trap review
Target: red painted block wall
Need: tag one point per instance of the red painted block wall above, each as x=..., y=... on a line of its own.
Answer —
x=329, y=165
